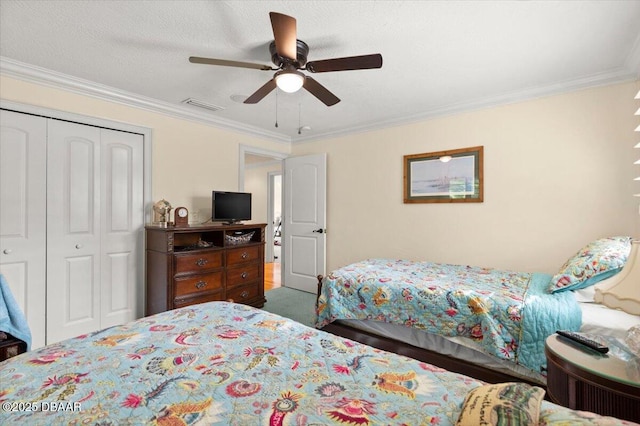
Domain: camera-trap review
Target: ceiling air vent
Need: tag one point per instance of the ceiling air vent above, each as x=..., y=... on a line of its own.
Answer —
x=202, y=104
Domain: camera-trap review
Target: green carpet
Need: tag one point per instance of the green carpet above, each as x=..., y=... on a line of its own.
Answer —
x=295, y=304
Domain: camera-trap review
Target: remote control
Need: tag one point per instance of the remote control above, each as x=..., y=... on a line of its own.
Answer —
x=584, y=341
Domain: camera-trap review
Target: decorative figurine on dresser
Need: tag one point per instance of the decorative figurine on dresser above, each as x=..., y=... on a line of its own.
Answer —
x=189, y=264
x=162, y=213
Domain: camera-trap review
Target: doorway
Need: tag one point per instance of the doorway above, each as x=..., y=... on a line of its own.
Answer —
x=273, y=271
x=274, y=215
x=304, y=214
x=260, y=173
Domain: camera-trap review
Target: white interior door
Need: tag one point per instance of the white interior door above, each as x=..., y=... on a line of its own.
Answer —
x=23, y=144
x=304, y=221
x=122, y=224
x=95, y=220
x=73, y=230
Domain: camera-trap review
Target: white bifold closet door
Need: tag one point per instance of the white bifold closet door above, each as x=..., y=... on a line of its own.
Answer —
x=93, y=223
x=23, y=210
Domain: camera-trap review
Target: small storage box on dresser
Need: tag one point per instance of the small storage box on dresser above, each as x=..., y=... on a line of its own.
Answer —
x=203, y=263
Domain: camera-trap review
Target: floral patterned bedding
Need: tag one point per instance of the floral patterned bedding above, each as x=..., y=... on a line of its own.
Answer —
x=507, y=314
x=230, y=364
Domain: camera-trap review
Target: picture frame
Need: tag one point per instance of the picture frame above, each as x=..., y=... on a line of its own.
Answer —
x=453, y=176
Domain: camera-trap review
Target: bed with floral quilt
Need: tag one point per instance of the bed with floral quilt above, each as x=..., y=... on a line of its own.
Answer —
x=486, y=317
x=231, y=364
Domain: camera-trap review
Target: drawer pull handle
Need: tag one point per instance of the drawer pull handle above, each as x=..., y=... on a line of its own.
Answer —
x=201, y=284
x=244, y=275
x=244, y=294
x=7, y=251
x=244, y=255
x=201, y=262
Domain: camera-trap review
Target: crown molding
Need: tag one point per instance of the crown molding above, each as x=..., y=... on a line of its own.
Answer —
x=45, y=77
x=30, y=73
x=619, y=75
x=633, y=60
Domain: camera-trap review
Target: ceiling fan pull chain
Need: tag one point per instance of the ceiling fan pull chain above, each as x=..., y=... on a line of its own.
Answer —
x=276, y=108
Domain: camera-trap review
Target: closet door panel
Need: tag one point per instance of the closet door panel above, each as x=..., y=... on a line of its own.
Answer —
x=77, y=311
x=79, y=174
x=73, y=230
x=23, y=140
x=122, y=227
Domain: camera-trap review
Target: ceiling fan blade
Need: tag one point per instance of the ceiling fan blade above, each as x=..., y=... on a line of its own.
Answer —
x=346, y=64
x=320, y=92
x=285, y=34
x=225, y=63
x=261, y=92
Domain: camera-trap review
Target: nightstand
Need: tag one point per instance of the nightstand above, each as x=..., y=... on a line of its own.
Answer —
x=582, y=379
x=10, y=346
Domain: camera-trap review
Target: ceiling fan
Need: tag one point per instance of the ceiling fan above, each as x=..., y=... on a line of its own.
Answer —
x=290, y=56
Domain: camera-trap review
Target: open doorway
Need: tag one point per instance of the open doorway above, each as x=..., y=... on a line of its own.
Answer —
x=274, y=252
x=274, y=215
x=260, y=172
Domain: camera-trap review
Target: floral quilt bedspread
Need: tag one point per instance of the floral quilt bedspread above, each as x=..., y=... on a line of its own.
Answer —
x=508, y=314
x=230, y=364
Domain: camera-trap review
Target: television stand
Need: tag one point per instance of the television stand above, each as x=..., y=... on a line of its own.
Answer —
x=202, y=263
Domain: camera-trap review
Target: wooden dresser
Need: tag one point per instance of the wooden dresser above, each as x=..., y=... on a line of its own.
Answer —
x=201, y=263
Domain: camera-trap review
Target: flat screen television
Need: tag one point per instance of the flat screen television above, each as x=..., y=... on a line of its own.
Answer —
x=230, y=207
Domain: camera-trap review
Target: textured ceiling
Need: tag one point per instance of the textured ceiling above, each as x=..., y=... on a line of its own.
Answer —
x=439, y=56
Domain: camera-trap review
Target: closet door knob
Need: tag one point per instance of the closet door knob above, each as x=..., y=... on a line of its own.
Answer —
x=7, y=251
x=78, y=246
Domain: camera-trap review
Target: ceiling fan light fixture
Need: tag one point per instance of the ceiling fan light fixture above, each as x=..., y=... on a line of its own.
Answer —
x=289, y=81
x=289, y=54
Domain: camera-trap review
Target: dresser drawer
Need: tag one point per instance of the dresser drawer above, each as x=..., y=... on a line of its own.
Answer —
x=243, y=274
x=198, y=284
x=211, y=297
x=242, y=255
x=187, y=262
x=243, y=294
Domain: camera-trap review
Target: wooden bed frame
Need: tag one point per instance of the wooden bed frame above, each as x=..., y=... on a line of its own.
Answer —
x=443, y=361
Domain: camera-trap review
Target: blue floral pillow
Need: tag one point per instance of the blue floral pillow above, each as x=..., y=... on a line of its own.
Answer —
x=598, y=260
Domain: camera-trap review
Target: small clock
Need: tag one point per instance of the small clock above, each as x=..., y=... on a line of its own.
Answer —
x=181, y=216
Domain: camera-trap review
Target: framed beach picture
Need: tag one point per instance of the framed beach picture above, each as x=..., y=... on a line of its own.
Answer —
x=453, y=176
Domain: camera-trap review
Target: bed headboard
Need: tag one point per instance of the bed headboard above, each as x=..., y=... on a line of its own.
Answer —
x=622, y=291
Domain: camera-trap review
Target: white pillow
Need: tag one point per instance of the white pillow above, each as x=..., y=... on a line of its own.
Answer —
x=585, y=295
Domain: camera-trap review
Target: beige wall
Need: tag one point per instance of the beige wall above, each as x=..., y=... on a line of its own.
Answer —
x=558, y=173
x=189, y=159
x=557, y=170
